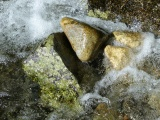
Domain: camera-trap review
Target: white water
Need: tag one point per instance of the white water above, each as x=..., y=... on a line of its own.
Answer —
x=141, y=84
x=26, y=22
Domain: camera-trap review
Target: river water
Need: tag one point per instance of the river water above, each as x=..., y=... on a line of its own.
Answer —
x=27, y=22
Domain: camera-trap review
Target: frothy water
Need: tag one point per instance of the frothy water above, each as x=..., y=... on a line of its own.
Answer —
x=25, y=23
x=132, y=81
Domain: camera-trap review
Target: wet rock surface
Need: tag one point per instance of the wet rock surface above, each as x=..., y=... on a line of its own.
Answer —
x=103, y=112
x=118, y=56
x=130, y=39
x=145, y=12
x=18, y=94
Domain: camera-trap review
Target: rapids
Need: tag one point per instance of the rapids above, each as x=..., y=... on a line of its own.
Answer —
x=26, y=23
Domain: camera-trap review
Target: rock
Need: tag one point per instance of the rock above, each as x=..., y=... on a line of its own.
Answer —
x=86, y=73
x=131, y=39
x=128, y=12
x=103, y=112
x=85, y=40
x=102, y=108
x=118, y=56
x=57, y=84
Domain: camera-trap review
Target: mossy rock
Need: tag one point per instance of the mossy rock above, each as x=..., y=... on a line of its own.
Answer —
x=57, y=84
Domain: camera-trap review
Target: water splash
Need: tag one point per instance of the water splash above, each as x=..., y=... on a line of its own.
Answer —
x=134, y=82
x=25, y=23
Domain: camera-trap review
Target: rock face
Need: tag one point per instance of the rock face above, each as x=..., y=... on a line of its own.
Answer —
x=84, y=39
x=131, y=39
x=118, y=56
x=145, y=12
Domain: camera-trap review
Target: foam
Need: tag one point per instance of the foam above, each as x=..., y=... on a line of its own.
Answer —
x=26, y=23
x=147, y=46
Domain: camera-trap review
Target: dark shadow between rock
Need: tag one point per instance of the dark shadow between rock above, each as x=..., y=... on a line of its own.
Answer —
x=86, y=73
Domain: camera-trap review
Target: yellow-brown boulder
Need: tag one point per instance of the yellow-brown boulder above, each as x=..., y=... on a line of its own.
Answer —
x=84, y=39
x=118, y=56
x=131, y=39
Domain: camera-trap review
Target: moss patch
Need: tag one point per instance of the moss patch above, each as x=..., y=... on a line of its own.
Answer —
x=58, y=86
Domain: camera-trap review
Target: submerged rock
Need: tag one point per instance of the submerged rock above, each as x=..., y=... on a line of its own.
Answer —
x=103, y=112
x=118, y=56
x=85, y=40
x=131, y=39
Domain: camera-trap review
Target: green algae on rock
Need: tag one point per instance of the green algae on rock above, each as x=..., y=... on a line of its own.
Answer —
x=58, y=86
x=85, y=40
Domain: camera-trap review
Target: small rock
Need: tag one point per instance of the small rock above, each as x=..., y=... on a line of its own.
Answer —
x=131, y=39
x=101, y=108
x=85, y=40
x=118, y=56
x=103, y=112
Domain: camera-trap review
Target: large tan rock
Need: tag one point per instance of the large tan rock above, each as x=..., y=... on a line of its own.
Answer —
x=118, y=56
x=85, y=40
x=131, y=39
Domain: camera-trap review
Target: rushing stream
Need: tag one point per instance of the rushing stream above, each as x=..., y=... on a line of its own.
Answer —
x=25, y=23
